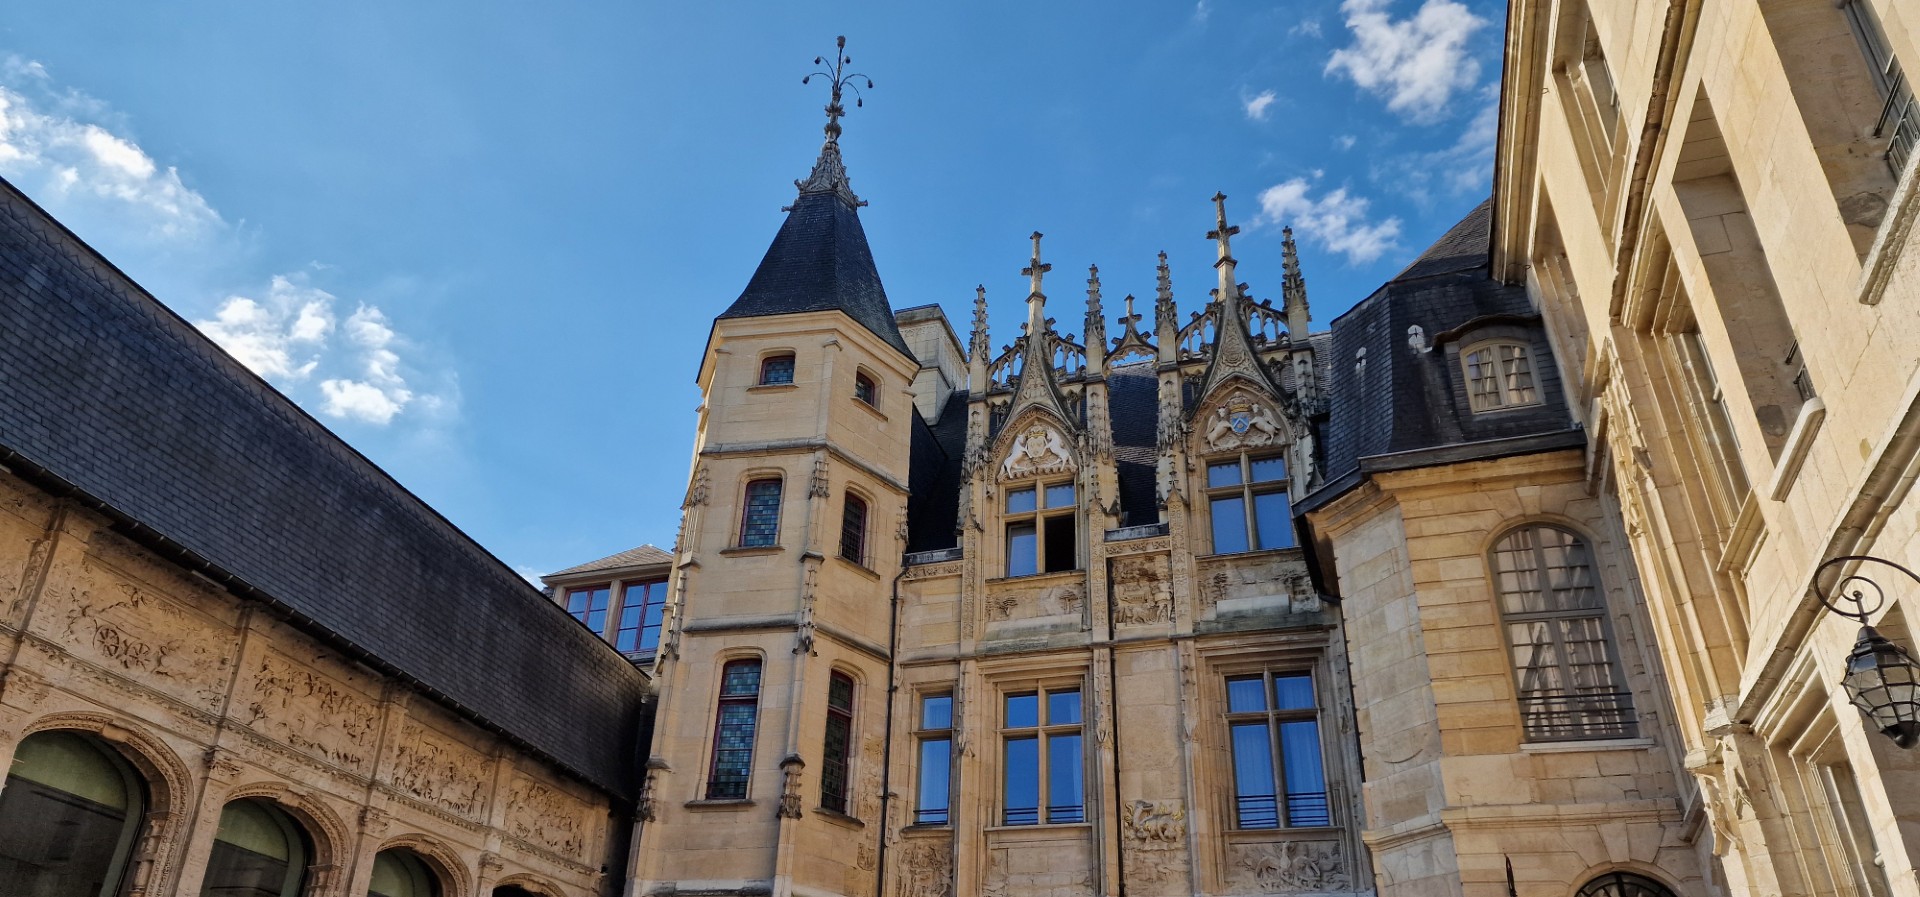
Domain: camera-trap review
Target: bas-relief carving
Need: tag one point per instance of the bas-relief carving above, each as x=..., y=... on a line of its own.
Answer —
x=1142, y=590
x=1038, y=451
x=1154, y=840
x=438, y=771
x=1288, y=866
x=1241, y=421
x=936, y=571
x=1039, y=871
x=141, y=634
x=1052, y=600
x=311, y=712
x=546, y=817
x=926, y=869
x=1281, y=580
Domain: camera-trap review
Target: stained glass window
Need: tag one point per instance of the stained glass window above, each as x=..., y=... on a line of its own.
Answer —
x=733, y=730
x=839, y=746
x=760, y=521
x=776, y=370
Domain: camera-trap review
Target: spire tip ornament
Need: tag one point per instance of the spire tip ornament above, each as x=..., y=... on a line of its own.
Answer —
x=829, y=173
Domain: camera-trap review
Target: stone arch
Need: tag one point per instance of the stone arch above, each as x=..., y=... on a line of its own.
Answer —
x=443, y=860
x=1506, y=527
x=1596, y=876
x=1036, y=442
x=169, y=788
x=530, y=882
x=328, y=832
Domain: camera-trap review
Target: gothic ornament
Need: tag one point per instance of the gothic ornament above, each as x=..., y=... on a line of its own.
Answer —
x=1242, y=421
x=790, y=787
x=1038, y=451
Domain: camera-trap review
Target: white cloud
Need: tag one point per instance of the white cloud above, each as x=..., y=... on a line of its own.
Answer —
x=1308, y=27
x=288, y=338
x=49, y=146
x=1259, y=105
x=1202, y=9
x=1345, y=142
x=1465, y=166
x=1338, y=220
x=1416, y=63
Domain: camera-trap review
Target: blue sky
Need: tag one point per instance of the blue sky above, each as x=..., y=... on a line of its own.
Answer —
x=484, y=244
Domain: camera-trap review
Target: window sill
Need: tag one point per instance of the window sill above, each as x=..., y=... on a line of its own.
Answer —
x=876, y=412
x=838, y=818
x=1026, y=577
x=1042, y=827
x=729, y=804
x=928, y=827
x=772, y=387
x=1257, y=552
x=1793, y=455
x=1598, y=744
x=1279, y=833
x=753, y=551
x=1485, y=411
x=858, y=567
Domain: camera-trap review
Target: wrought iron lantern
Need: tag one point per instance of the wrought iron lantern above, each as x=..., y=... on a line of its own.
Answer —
x=1882, y=679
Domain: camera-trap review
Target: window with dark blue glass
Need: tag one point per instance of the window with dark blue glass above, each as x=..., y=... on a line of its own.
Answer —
x=853, y=530
x=839, y=746
x=1042, y=761
x=1042, y=533
x=642, y=605
x=1247, y=502
x=1279, y=776
x=935, y=797
x=776, y=370
x=733, y=728
x=760, y=519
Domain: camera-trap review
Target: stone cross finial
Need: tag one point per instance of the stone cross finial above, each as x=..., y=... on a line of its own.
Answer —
x=1036, y=270
x=1221, y=231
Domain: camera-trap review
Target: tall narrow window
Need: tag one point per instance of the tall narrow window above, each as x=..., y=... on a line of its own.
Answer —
x=1568, y=678
x=935, y=794
x=589, y=605
x=838, y=751
x=864, y=390
x=776, y=370
x=258, y=851
x=1279, y=775
x=1247, y=500
x=1042, y=535
x=1043, y=766
x=733, y=730
x=760, y=520
x=69, y=817
x=1499, y=375
x=642, y=605
x=853, y=530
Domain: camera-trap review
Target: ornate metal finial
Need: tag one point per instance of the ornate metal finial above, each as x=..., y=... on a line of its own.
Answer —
x=1036, y=270
x=840, y=80
x=1221, y=231
x=829, y=173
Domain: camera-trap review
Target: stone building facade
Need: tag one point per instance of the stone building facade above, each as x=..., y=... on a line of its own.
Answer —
x=1712, y=206
x=237, y=658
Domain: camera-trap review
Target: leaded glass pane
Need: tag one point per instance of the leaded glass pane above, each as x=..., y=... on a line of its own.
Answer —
x=760, y=527
x=741, y=679
x=776, y=370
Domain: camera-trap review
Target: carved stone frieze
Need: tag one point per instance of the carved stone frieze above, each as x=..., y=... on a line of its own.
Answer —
x=1039, y=871
x=312, y=712
x=926, y=868
x=143, y=635
x=1006, y=602
x=1142, y=590
x=935, y=571
x=1289, y=866
x=1277, y=582
x=1160, y=544
x=436, y=770
x=1154, y=840
x=545, y=817
x=1038, y=450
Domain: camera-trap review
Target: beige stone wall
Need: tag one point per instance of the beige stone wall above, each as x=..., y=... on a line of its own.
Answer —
x=1758, y=191
x=212, y=699
x=1456, y=794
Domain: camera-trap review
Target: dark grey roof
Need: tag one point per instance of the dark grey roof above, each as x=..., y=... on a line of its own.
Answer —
x=1404, y=399
x=112, y=398
x=819, y=261
x=1133, y=406
x=632, y=557
x=933, y=477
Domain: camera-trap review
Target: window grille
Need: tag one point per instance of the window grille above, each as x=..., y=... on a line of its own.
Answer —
x=1623, y=884
x=853, y=529
x=1568, y=678
x=776, y=370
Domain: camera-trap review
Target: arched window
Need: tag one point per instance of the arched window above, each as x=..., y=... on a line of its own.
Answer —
x=733, y=729
x=1499, y=375
x=853, y=529
x=1623, y=884
x=839, y=747
x=776, y=370
x=513, y=891
x=259, y=851
x=400, y=872
x=69, y=815
x=864, y=390
x=1566, y=672
x=760, y=518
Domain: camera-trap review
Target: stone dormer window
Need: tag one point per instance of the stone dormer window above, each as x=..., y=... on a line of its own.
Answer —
x=865, y=390
x=777, y=370
x=1499, y=376
x=1042, y=535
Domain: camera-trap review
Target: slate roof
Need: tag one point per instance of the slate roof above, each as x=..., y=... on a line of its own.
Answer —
x=111, y=398
x=632, y=557
x=1406, y=400
x=820, y=261
x=933, y=477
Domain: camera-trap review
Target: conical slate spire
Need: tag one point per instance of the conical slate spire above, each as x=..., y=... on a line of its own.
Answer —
x=820, y=260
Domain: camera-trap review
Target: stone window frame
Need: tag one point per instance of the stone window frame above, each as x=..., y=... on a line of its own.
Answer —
x=711, y=790
x=1504, y=374
x=924, y=736
x=1586, y=726
x=1247, y=490
x=866, y=387
x=1038, y=518
x=772, y=540
x=1272, y=717
x=1044, y=732
x=767, y=368
x=839, y=764
x=855, y=537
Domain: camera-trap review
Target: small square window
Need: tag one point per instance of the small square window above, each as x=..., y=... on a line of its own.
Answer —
x=776, y=370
